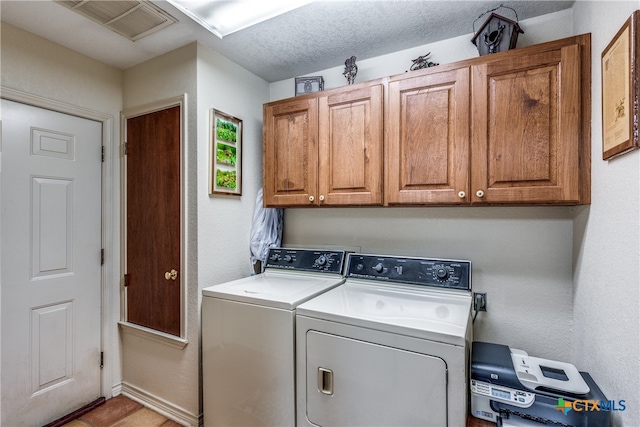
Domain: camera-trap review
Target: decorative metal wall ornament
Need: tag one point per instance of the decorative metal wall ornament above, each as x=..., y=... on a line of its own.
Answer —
x=497, y=34
x=421, y=62
x=350, y=69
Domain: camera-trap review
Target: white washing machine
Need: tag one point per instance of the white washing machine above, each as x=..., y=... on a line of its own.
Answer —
x=389, y=347
x=248, y=337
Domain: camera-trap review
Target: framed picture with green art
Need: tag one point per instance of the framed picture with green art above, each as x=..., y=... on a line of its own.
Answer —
x=226, y=154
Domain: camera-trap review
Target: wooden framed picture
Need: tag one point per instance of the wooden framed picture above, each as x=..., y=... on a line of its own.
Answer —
x=620, y=75
x=225, y=165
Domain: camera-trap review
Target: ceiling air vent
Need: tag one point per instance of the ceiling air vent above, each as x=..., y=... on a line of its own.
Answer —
x=133, y=19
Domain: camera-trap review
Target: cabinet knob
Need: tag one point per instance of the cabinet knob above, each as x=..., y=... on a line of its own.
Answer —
x=462, y=194
x=321, y=198
x=480, y=193
x=311, y=198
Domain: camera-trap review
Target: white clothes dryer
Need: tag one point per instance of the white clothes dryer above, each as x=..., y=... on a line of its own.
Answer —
x=389, y=347
x=248, y=337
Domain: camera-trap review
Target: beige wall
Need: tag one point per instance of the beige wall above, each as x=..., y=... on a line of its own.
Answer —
x=224, y=221
x=218, y=226
x=521, y=255
x=606, y=281
x=153, y=369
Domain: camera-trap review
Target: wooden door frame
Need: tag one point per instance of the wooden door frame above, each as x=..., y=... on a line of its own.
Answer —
x=107, y=228
x=148, y=333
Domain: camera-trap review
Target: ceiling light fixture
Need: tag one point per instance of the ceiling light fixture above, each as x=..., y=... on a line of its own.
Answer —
x=224, y=17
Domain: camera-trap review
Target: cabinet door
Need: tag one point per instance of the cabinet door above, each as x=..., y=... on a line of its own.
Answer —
x=428, y=139
x=350, y=147
x=290, y=168
x=526, y=134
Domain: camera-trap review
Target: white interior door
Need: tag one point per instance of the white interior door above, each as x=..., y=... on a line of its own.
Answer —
x=50, y=263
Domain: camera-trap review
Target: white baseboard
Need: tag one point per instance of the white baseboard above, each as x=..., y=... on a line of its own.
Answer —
x=116, y=390
x=161, y=406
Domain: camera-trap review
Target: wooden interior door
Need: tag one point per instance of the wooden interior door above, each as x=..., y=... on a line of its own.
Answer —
x=350, y=147
x=153, y=220
x=290, y=168
x=428, y=139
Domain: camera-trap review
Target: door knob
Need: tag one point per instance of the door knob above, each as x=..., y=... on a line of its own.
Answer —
x=173, y=274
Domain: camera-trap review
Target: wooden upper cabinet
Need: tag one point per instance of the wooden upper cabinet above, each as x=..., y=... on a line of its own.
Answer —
x=507, y=128
x=325, y=149
x=530, y=120
x=350, y=147
x=290, y=150
x=428, y=139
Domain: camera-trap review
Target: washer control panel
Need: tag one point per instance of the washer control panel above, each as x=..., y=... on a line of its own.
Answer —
x=417, y=271
x=317, y=260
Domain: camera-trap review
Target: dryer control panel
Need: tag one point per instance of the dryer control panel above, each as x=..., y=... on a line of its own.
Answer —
x=440, y=273
x=316, y=260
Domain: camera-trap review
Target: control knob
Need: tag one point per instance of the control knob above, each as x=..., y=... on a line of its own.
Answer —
x=442, y=273
x=322, y=260
x=287, y=258
x=378, y=268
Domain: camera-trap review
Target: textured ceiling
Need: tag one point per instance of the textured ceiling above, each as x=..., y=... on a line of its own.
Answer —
x=314, y=37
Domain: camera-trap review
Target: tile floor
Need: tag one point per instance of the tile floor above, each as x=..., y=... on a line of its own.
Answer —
x=121, y=411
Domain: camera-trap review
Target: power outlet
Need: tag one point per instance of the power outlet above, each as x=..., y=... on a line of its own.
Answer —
x=480, y=301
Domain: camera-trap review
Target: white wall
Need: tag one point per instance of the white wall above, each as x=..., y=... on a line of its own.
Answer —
x=521, y=255
x=606, y=297
x=37, y=66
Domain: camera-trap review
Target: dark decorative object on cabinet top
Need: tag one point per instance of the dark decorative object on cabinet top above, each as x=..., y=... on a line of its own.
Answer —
x=310, y=84
x=422, y=62
x=350, y=69
x=497, y=34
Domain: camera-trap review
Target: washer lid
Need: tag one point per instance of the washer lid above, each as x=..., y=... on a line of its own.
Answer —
x=437, y=315
x=284, y=290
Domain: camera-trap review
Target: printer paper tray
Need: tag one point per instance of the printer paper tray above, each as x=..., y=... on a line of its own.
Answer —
x=517, y=422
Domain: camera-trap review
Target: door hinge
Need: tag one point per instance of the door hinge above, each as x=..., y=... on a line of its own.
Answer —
x=103, y=154
x=101, y=256
x=127, y=280
x=102, y=359
x=126, y=148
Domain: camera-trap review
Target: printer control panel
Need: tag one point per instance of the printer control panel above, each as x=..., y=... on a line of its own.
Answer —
x=520, y=398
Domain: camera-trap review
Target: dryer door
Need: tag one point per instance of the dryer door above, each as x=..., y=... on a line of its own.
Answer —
x=358, y=383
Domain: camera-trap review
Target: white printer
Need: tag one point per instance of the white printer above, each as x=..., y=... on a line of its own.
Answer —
x=511, y=388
